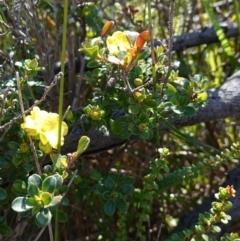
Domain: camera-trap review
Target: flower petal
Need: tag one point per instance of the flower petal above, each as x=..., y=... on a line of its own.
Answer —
x=118, y=42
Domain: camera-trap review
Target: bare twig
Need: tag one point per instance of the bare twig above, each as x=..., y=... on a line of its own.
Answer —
x=23, y=115
x=39, y=234
x=170, y=41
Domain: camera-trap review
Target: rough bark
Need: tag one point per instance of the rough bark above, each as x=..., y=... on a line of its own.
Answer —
x=205, y=35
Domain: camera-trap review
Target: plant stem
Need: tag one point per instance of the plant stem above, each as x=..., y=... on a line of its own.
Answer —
x=63, y=53
x=154, y=76
x=60, y=110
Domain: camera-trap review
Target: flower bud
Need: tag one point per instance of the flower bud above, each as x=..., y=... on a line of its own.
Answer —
x=24, y=148
x=107, y=28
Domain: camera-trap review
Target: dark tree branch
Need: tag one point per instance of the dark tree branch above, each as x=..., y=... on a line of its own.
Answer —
x=206, y=35
x=222, y=102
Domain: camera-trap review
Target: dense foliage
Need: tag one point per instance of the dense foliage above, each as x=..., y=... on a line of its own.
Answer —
x=118, y=81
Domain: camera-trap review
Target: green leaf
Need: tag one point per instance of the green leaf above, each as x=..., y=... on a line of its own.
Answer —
x=189, y=111
x=31, y=201
x=13, y=145
x=63, y=189
x=2, y=220
x=150, y=103
x=5, y=230
x=125, y=189
x=33, y=190
x=133, y=109
x=183, y=99
x=49, y=184
x=129, y=180
x=93, y=64
x=107, y=195
x=110, y=184
x=3, y=194
x=36, y=209
x=19, y=205
x=124, y=134
x=216, y=229
x=95, y=175
x=17, y=159
x=46, y=198
x=47, y=169
x=62, y=216
x=121, y=204
x=43, y=218
x=83, y=144
x=120, y=125
x=65, y=201
x=110, y=207
x=57, y=160
x=144, y=217
x=100, y=189
x=135, y=72
x=146, y=135
x=93, y=52
x=35, y=180
x=144, y=53
x=174, y=98
x=59, y=180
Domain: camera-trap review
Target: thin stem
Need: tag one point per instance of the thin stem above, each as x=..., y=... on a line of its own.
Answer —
x=29, y=137
x=60, y=109
x=63, y=53
x=125, y=78
x=50, y=231
x=152, y=48
x=39, y=234
x=154, y=75
x=170, y=42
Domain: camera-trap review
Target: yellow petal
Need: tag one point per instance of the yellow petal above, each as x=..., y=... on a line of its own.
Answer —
x=114, y=60
x=112, y=45
x=118, y=42
x=43, y=138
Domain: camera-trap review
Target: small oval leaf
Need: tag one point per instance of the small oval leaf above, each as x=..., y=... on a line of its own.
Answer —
x=125, y=189
x=43, y=218
x=5, y=230
x=62, y=216
x=49, y=184
x=19, y=204
x=110, y=184
x=35, y=180
x=3, y=194
x=121, y=204
x=110, y=208
x=33, y=190
x=46, y=198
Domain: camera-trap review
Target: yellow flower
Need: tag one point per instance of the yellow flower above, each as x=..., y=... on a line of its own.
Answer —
x=120, y=47
x=44, y=125
x=124, y=46
x=118, y=42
